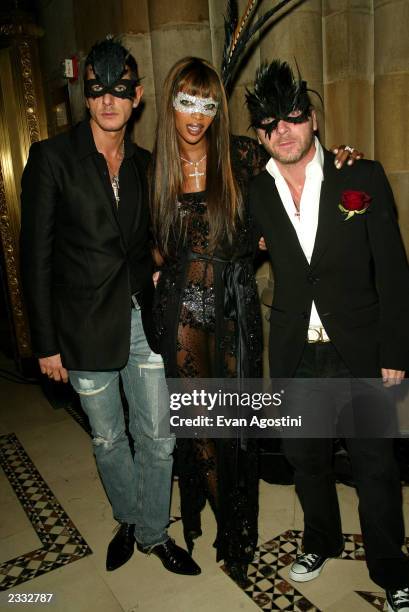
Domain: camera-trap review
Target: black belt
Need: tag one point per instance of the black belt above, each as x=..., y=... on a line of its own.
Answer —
x=192, y=255
x=235, y=278
x=235, y=275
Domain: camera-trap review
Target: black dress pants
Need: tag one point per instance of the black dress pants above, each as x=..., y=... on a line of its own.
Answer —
x=377, y=481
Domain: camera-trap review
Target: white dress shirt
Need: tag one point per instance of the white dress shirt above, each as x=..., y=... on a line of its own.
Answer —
x=306, y=222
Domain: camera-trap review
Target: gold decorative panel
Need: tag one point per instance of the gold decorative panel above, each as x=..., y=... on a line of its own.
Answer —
x=20, y=125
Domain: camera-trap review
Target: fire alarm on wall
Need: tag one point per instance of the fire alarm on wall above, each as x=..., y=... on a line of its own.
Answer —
x=70, y=68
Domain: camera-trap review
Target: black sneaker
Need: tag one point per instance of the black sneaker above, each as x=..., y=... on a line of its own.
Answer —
x=307, y=567
x=398, y=600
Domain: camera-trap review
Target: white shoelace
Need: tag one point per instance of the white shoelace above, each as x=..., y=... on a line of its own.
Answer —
x=401, y=596
x=308, y=558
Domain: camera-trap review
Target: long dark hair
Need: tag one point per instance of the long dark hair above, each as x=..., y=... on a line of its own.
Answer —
x=224, y=202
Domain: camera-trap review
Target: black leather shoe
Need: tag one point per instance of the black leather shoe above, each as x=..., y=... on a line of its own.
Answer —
x=238, y=573
x=174, y=558
x=121, y=547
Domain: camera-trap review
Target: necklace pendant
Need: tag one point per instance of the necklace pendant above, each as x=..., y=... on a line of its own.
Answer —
x=115, y=188
x=196, y=174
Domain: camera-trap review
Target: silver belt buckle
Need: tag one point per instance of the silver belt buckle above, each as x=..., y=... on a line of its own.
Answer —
x=316, y=334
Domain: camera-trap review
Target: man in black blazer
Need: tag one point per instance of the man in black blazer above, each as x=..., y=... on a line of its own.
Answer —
x=340, y=309
x=87, y=272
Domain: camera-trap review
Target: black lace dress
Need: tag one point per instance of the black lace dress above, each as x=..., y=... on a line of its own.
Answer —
x=208, y=315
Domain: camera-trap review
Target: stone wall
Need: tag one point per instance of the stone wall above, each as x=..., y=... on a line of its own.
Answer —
x=355, y=53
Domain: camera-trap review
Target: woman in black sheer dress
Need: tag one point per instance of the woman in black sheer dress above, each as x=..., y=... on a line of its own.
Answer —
x=207, y=306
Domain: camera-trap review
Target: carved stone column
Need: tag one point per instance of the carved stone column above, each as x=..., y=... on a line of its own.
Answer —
x=178, y=29
x=391, y=99
x=137, y=38
x=297, y=38
x=348, y=70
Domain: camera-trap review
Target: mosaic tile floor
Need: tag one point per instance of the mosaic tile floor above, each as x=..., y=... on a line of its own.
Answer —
x=61, y=541
x=375, y=599
x=272, y=592
x=266, y=588
x=63, y=544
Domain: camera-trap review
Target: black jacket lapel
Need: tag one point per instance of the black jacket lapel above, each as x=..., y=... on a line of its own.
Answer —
x=108, y=202
x=329, y=215
x=141, y=191
x=86, y=152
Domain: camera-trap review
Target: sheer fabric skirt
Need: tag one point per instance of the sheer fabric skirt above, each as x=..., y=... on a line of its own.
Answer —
x=201, y=343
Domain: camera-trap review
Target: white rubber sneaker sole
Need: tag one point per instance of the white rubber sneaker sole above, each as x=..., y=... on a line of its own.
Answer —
x=392, y=610
x=307, y=576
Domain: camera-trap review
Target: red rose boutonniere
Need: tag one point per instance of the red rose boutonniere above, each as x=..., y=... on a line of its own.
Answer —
x=354, y=203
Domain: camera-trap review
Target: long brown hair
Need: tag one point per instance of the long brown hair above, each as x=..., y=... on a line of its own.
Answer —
x=197, y=77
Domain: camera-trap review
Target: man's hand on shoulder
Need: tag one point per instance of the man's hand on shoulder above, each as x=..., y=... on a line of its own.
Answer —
x=345, y=154
x=262, y=244
x=392, y=377
x=53, y=368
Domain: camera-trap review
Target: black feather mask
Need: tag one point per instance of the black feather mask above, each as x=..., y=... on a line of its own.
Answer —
x=110, y=61
x=277, y=94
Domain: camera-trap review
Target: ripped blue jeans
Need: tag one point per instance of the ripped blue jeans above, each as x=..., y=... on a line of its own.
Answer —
x=139, y=487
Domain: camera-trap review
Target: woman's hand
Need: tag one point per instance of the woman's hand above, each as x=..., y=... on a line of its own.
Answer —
x=345, y=153
x=158, y=259
x=262, y=244
x=156, y=277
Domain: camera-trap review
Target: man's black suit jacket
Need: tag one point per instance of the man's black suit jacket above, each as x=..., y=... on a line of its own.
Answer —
x=358, y=276
x=75, y=262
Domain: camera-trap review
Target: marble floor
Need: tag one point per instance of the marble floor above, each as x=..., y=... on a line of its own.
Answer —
x=55, y=523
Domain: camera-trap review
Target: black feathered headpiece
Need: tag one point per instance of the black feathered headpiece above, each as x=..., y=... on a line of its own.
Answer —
x=239, y=31
x=277, y=94
x=110, y=61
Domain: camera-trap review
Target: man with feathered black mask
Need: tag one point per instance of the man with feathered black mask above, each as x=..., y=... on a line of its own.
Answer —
x=340, y=309
x=112, y=70
x=277, y=95
x=87, y=274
